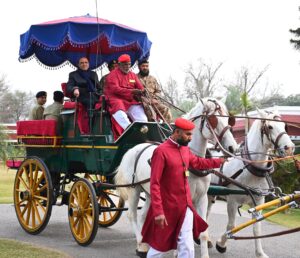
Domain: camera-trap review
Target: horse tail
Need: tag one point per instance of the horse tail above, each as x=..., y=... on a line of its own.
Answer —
x=119, y=180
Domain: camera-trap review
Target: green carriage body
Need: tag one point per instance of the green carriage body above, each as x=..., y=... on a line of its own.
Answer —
x=96, y=153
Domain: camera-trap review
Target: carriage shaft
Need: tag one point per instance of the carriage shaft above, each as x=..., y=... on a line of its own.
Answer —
x=280, y=201
x=259, y=217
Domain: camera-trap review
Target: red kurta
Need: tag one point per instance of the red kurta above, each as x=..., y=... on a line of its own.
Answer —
x=118, y=86
x=170, y=194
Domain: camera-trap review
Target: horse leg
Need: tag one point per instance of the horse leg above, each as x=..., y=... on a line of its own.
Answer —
x=133, y=200
x=143, y=247
x=202, y=211
x=231, y=211
x=257, y=232
x=211, y=201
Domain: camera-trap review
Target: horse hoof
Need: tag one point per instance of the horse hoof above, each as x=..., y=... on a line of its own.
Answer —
x=209, y=244
x=141, y=254
x=220, y=249
x=197, y=241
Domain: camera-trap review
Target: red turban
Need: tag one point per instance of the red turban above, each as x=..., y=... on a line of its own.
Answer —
x=124, y=58
x=184, y=124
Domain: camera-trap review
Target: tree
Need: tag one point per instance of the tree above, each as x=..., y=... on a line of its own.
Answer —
x=170, y=91
x=233, y=99
x=14, y=105
x=202, y=81
x=3, y=144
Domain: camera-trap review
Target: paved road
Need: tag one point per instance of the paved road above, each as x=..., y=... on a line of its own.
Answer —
x=118, y=241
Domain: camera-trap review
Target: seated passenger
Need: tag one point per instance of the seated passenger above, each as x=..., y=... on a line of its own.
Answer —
x=123, y=90
x=154, y=90
x=52, y=111
x=83, y=84
x=37, y=111
x=112, y=65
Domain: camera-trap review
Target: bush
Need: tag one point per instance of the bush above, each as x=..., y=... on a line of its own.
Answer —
x=286, y=176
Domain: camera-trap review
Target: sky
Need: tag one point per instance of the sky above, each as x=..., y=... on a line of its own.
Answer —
x=251, y=33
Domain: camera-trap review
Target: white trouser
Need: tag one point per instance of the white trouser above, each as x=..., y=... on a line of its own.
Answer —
x=135, y=112
x=185, y=242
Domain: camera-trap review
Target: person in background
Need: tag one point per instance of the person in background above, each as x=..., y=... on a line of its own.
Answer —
x=52, y=112
x=172, y=222
x=37, y=111
x=123, y=90
x=154, y=91
x=112, y=65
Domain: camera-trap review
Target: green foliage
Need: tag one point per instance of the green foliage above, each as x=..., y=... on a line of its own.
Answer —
x=185, y=105
x=286, y=176
x=245, y=101
x=8, y=149
x=3, y=144
x=233, y=100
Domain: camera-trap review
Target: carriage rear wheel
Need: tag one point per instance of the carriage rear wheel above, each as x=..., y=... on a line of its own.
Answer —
x=83, y=212
x=107, y=201
x=33, y=193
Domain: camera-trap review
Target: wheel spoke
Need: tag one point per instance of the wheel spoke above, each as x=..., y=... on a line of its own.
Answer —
x=25, y=208
x=42, y=188
x=40, y=197
x=35, y=178
x=37, y=212
x=30, y=176
x=28, y=213
x=23, y=183
x=87, y=223
x=33, y=214
x=39, y=181
x=41, y=206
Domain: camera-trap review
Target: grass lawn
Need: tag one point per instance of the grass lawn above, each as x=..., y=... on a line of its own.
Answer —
x=7, y=178
x=291, y=219
x=12, y=248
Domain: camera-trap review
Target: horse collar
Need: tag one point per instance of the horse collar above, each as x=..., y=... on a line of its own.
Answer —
x=255, y=170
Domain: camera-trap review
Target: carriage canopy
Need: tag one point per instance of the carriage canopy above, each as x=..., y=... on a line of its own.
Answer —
x=57, y=42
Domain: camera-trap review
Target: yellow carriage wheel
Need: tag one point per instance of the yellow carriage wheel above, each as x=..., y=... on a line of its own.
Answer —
x=33, y=193
x=83, y=212
x=108, y=200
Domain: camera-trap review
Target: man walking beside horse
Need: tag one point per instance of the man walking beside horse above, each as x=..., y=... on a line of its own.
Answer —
x=172, y=222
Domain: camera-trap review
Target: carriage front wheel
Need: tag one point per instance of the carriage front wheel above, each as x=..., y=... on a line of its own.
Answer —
x=33, y=194
x=83, y=212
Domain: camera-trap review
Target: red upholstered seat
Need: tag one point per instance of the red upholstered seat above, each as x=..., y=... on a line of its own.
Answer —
x=69, y=105
x=37, y=127
x=64, y=89
x=38, y=132
x=13, y=163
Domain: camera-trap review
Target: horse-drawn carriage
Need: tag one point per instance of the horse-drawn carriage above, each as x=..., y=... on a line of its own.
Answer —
x=54, y=161
x=87, y=163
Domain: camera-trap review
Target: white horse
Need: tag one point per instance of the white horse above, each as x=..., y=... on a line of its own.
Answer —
x=263, y=136
x=199, y=185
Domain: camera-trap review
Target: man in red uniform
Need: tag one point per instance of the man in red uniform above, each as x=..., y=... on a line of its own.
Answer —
x=123, y=90
x=172, y=222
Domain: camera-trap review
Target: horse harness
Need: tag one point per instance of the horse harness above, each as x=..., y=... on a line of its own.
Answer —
x=137, y=160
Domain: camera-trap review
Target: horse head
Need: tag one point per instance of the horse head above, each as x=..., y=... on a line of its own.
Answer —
x=212, y=121
x=274, y=133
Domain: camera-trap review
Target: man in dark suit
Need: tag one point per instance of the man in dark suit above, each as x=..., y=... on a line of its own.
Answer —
x=84, y=85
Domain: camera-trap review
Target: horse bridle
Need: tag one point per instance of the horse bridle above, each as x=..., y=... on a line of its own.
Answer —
x=266, y=131
x=209, y=120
